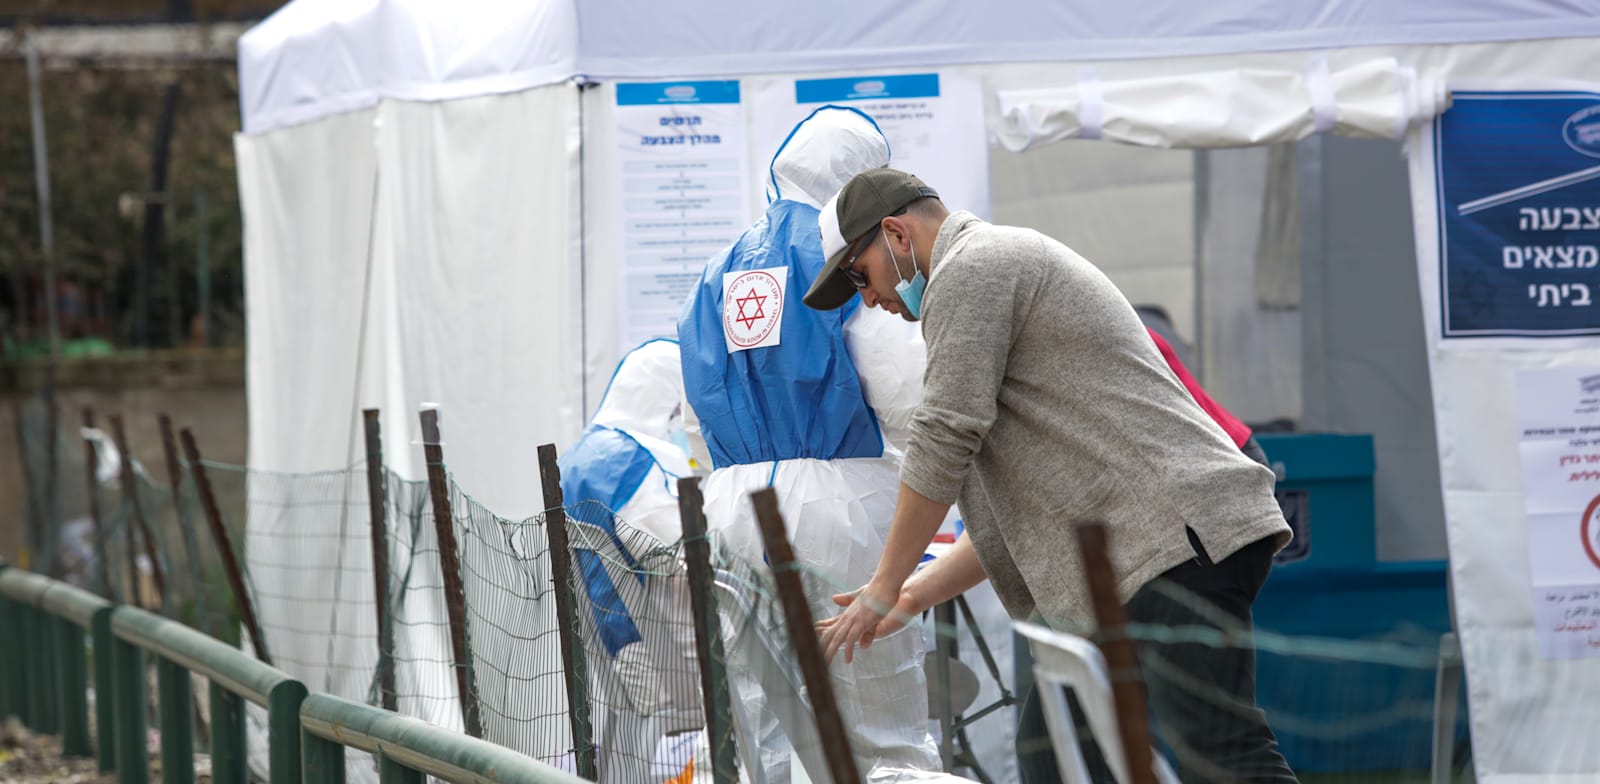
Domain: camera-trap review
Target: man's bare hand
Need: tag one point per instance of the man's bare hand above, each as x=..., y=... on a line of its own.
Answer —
x=870, y=612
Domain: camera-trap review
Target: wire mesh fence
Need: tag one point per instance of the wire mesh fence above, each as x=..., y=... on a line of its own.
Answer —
x=1344, y=710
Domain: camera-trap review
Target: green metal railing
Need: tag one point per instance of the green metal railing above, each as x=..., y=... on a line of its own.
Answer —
x=43, y=680
x=235, y=677
x=43, y=674
x=407, y=749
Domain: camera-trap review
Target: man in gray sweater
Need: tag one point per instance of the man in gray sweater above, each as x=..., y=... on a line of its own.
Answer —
x=1047, y=404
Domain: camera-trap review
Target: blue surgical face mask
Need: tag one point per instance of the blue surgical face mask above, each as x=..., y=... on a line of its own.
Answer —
x=909, y=291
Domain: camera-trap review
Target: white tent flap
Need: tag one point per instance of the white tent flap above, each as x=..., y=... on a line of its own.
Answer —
x=1376, y=98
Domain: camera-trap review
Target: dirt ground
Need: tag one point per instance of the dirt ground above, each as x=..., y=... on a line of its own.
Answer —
x=28, y=758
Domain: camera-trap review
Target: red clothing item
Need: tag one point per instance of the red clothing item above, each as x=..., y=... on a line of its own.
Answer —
x=1231, y=425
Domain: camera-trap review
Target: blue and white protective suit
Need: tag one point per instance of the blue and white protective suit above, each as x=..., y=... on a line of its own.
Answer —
x=807, y=415
x=619, y=481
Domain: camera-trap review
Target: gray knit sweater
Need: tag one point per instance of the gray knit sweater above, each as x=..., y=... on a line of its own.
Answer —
x=1046, y=403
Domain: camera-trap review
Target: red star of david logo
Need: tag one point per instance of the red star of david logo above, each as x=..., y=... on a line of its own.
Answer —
x=746, y=301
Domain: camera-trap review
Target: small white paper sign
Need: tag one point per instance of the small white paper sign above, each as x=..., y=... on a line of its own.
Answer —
x=752, y=307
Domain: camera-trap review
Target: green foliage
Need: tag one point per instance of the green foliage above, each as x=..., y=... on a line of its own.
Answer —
x=101, y=121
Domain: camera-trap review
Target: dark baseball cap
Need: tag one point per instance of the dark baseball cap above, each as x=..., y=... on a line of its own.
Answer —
x=861, y=204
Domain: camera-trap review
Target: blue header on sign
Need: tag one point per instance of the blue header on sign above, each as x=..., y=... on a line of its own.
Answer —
x=1519, y=214
x=866, y=88
x=653, y=93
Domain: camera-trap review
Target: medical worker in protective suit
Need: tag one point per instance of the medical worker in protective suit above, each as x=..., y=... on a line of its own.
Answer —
x=801, y=400
x=619, y=482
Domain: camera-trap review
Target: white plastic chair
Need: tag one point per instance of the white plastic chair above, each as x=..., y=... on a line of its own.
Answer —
x=1062, y=661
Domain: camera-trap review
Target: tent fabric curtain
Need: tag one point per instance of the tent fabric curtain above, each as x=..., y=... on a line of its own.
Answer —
x=1377, y=98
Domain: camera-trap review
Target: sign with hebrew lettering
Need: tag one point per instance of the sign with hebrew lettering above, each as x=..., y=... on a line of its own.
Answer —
x=933, y=121
x=1518, y=189
x=1558, y=424
x=682, y=180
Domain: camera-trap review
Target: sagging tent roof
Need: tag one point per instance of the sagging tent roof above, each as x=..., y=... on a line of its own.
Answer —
x=319, y=57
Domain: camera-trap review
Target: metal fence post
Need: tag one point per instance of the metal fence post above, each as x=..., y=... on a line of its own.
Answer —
x=72, y=689
x=13, y=660
x=1122, y=661
x=321, y=761
x=450, y=567
x=130, y=491
x=572, y=657
x=105, y=700
x=219, y=536
x=283, y=732
x=177, y=730
x=707, y=633
x=391, y=772
x=169, y=445
x=378, y=503
x=91, y=461
x=229, y=760
x=133, y=757
x=41, y=654
x=803, y=639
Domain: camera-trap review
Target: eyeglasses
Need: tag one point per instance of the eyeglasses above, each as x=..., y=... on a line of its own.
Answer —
x=855, y=276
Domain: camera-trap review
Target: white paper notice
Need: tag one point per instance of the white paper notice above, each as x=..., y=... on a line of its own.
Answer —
x=933, y=121
x=683, y=177
x=1558, y=418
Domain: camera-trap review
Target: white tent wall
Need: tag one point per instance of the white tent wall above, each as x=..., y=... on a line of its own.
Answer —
x=307, y=197
x=1531, y=717
x=479, y=195
x=465, y=298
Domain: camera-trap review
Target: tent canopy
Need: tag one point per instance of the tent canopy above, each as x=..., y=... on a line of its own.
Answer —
x=319, y=57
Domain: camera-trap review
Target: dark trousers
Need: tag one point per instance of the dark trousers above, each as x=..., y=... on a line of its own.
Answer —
x=1202, y=695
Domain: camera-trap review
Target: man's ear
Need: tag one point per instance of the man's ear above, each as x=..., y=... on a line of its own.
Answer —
x=897, y=230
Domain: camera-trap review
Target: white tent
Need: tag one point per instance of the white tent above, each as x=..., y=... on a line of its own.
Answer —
x=430, y=193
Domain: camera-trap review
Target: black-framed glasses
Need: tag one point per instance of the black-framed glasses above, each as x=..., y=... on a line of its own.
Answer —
x=855, y=276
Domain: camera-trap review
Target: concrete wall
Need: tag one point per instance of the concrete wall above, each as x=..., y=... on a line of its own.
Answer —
x=200, y=390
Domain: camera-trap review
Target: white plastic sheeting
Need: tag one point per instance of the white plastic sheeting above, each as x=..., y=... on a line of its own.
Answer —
x=1376, y=98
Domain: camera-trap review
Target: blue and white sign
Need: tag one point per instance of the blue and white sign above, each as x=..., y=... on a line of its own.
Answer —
x=683, y=186
x=1518, y=190
x=933, y=121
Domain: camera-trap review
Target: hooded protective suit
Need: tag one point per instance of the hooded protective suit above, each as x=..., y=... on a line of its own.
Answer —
x=619, y=483
x=807, y=414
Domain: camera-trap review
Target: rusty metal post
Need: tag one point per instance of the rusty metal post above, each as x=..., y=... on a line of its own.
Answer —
x=1127, y=687
x=377, y=500
x=572, y=659
x=803, y=638
x=91, y=457
x=450, y=565
x=219, y=535
x=707, y=633
x=31, y=527
x=169, y=444
x=50, y=530
x=130, y=491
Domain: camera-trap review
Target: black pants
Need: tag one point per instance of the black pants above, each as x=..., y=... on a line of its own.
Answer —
x=1202, y=695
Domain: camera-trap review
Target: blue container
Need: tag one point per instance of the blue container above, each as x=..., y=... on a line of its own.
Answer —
x=1336, y=712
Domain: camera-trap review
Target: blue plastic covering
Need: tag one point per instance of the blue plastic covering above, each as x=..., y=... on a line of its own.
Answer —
x=606, y=466
x=800, y=399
